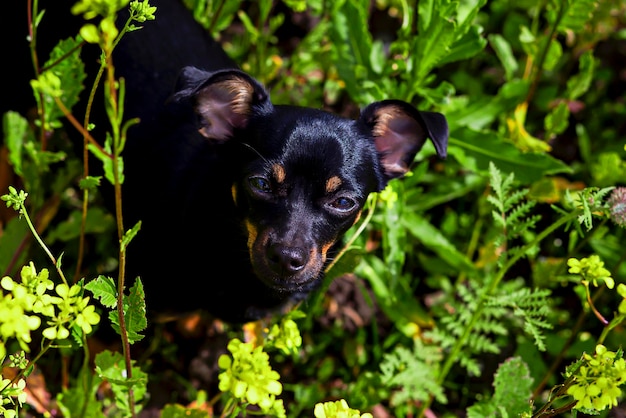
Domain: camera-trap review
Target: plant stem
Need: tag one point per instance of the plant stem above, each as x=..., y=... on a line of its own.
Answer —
x=40, y=241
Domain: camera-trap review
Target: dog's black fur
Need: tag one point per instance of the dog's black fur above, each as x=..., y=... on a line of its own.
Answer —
x=243, y=201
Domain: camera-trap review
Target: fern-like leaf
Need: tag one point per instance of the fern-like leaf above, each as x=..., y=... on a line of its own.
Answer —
x=530, y=306
x=512, y=211
x=414, y=371
x=485, y=330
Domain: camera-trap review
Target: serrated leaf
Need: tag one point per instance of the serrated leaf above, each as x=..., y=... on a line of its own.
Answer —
x=352, y=44
x=104, y=289
x=129, y=235
x=71, y=73
x=576, y=15
x=437, y=33
x=134, y=313
x=512, y=383
x=111, y=367
x=466, y=47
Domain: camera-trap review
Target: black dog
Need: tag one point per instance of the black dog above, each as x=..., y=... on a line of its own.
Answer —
x=242, y=201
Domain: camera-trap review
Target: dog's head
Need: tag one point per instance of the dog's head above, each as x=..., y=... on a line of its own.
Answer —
x=305, y=174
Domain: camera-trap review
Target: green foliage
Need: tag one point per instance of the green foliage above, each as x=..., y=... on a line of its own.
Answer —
x=413, y=373
x=510, y=252
x=531, y=307
x=512, y=387
x=133, y=305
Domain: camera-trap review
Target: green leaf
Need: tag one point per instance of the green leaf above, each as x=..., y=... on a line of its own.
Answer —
x=97, y=221
x=104, y=289
x=106, y=156
x=466, y=47
x=504, y=52
x=111, y=367
x=129, y=235
x=436, y=34
x=475, y=150
x=433, y=239
x=512, y=383
x=557, y=120
x=66, y=64
x=14, y=232
x=555, y=52
x=15, y=129
x=135, y=312
x=73, y=399
x=579, y=84
x=399, y=305
x=352, y=45
x=576, y=14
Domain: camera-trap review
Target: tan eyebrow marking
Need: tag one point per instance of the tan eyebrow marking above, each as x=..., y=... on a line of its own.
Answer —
x=279, y=172
x=332, y=184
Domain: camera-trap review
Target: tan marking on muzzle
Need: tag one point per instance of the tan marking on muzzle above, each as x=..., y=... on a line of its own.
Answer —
x=325, y=249
x=233, y=191
x=332, y=184
x=252, y=233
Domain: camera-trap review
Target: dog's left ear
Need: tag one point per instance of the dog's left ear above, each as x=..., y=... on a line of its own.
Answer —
x=400, y=131
x=223, y=100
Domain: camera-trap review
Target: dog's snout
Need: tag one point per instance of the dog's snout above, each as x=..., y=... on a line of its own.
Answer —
x=286, y=259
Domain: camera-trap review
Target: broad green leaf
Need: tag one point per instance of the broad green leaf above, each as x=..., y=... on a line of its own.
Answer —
x=475, y=150
x=430, y=237
x=14, y=233
x=557, y=120
x=478, y=113
x=555, y=52
x=578, y=84
x=466, y=47
x=111, y=366
x=72, y=400
x=97, y=221
x=400, y=306
x=15, y=129
x=504, y=52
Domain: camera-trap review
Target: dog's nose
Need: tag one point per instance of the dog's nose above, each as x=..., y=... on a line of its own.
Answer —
x=287, y=259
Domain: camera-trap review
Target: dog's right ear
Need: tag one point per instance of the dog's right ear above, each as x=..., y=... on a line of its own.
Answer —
x=224, y=100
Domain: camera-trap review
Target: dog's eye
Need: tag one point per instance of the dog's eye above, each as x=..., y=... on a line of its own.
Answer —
x=260, y=184
x=343, y=204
